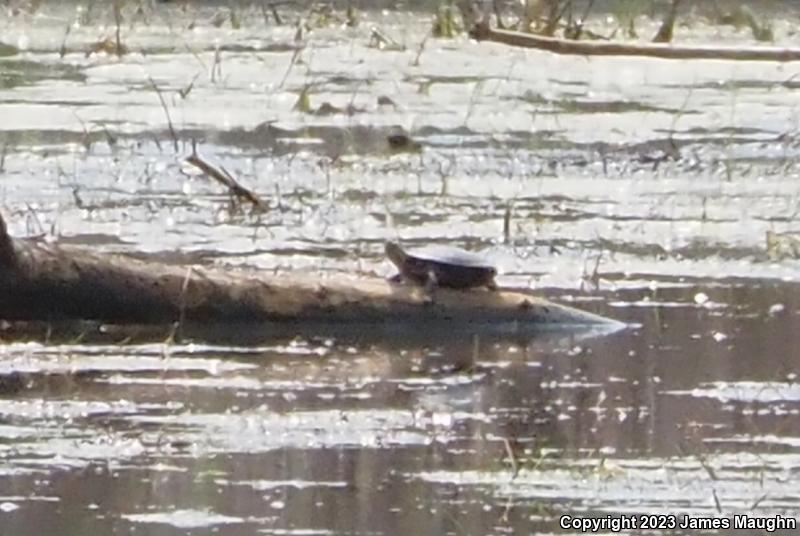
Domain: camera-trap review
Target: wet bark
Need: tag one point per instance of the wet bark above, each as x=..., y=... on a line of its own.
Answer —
x=483, y=32
x=7, y=258
x=40, y=281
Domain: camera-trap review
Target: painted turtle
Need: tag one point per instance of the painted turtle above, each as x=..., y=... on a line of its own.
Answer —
x=441, y=266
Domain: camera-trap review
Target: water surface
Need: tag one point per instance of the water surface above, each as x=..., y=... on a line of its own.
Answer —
x=639, y=189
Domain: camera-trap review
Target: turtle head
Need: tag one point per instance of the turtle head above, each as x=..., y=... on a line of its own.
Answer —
x=395, y=253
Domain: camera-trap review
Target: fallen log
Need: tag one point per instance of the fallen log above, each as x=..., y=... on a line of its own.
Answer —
x=482, y=32
x=40, y=281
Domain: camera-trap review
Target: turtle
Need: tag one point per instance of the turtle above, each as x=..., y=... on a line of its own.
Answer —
x=441, y=266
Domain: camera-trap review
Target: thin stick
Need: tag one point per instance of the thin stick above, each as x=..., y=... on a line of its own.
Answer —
x=63, y=50
x=184, y=92
x=295, y=56
x=421, y=48
x=118, y=21
x=217, y=66
x=166, y=112
x=227, y=180
x=511, y=457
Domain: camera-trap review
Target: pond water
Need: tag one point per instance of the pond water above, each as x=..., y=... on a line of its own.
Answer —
x=663, y=194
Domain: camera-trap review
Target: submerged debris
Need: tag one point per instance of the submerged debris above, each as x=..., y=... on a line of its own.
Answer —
x=403, y=143
x=783, y=245
x=381, y=41
x=108, y=46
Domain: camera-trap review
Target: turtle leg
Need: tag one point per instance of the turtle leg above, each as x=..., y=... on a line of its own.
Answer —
x=431, y=285
x=396, y=278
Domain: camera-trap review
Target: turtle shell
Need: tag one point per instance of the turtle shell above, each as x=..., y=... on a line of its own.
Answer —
x=451, y=266
x=449, y=255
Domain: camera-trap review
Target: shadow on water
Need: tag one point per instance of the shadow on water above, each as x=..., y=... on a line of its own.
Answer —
x=25, y=72
x=384, y=335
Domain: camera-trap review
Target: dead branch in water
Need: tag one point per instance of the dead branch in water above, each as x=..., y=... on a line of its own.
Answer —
x=44, y=282
x=483, y=32
x=226, y=179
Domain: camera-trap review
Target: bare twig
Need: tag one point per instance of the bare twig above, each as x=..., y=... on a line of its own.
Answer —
x=421, y=48
x=118, y=22
x=166, y=112
x=507, y=222
x=758, y=502
x=87, y=139
x=708, y=469
x=63, y=50
x=222, y=176
x=511, y=458
x=184, y=92
x=216, y=68
x=292, y=62
x=717, y=504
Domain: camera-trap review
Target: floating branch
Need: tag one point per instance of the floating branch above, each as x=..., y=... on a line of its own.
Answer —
x=483, y=32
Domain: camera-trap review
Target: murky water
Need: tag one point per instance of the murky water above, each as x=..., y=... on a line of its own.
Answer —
x=640, y=189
